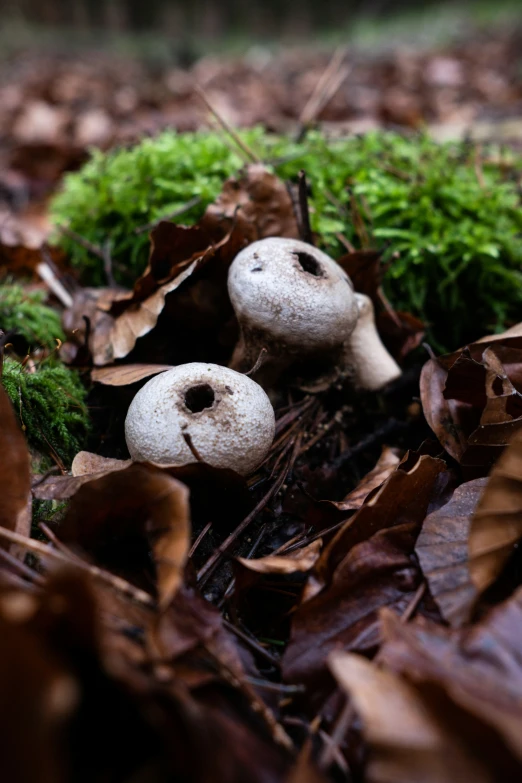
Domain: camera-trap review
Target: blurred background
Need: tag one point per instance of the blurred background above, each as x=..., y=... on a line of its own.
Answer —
x=81, y=73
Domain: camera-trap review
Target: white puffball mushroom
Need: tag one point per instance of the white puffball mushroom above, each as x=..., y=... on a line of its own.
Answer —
x=366, y=357
x=228, y=417
x=290, y=298
x=299, y=304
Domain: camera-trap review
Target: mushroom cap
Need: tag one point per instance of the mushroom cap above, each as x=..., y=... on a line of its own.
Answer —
x=228, y=417
x=294, y=293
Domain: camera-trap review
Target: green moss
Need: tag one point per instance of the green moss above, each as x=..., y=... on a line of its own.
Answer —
x=50, y=403
x=452, y=227
x=25, y=312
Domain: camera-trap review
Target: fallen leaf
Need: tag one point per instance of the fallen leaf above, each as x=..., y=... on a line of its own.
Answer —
x=472, y=400
x=15, y=482
x=496, y=526
x=125, y=374
x=442, y=549
x=118, y=517
x=259, y=197
x=86, y=464
x=384, y=467
x=367, y=565
x=365, y=270
x=300, y=560
x=408, y=742
x=479, y=667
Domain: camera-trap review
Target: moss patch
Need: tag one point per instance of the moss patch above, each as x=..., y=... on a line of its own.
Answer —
x=50, y=403
x=449, y=214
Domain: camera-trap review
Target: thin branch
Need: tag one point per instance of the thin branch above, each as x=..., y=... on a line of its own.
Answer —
x=228, y=128
x=119, y=584
x=193, y=202
x=199, y=539
x=306, y=230
x=209, y=567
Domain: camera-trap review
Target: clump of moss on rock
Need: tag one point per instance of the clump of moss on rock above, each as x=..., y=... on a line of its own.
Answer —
x=448, y=214
x=50, y=404
x=24, y=312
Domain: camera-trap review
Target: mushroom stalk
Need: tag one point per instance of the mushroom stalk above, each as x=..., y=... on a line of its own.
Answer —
x=366, y=358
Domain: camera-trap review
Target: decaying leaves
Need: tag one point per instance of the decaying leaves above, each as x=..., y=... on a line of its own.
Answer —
x=472, y=400
x=300, y=560
x=442, y=549
x=132, y=510
x=384, y=467
x=367, y=565
x=496, y=527
x=409, y=741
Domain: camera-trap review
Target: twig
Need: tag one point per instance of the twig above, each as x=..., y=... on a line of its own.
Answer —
x=193, y=202
x=107, y=263
x=97, y=573
x=206, y=571
x=50, y=279
x=276, y=687
x=325, y=88
x=251, y=554
x=92, y=248
x=414, y=603
x=342, y=725
x=228, y=128
x=199, y=539
x=306, y=230
x=253, y=643
x=24, y=570
x=259, y=362
x=391, y=426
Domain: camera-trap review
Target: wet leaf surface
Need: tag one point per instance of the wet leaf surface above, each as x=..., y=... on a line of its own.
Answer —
x=442, y=549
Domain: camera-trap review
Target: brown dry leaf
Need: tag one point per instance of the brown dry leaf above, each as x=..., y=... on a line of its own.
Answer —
x=298, y=561
x=259, y=197
x=253, y=207
x=119, y=517
x=365, y=270
x=496, y=526
x=15, y=483
x=472, y=400
x=36, y=696
x=401, y=332
x=384, y=467
x=86, y=463
x=479, y=667
x=441, y=414
x=408, y=741
x=442, y=549
x=114, y=338
x=368, y=564
x=125, y=374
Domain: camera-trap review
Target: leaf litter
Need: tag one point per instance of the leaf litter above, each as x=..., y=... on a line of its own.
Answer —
x=349, y=612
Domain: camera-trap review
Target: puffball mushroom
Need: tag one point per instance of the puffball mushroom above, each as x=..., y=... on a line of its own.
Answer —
x=299, y=304
x=227, y=416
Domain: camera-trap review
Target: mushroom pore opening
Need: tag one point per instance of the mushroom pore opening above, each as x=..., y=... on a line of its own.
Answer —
x=309, y=264
x=199, y=397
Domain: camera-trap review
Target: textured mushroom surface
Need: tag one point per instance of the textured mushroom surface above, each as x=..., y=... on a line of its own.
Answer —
x=226, y=415
x=290, y=292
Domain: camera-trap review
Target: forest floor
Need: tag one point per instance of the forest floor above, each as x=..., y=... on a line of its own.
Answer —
x=351, y=611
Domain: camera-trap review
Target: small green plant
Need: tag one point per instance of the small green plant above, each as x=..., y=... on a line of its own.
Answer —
x=25, y=312
x=448, y=217
x=50, y=403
